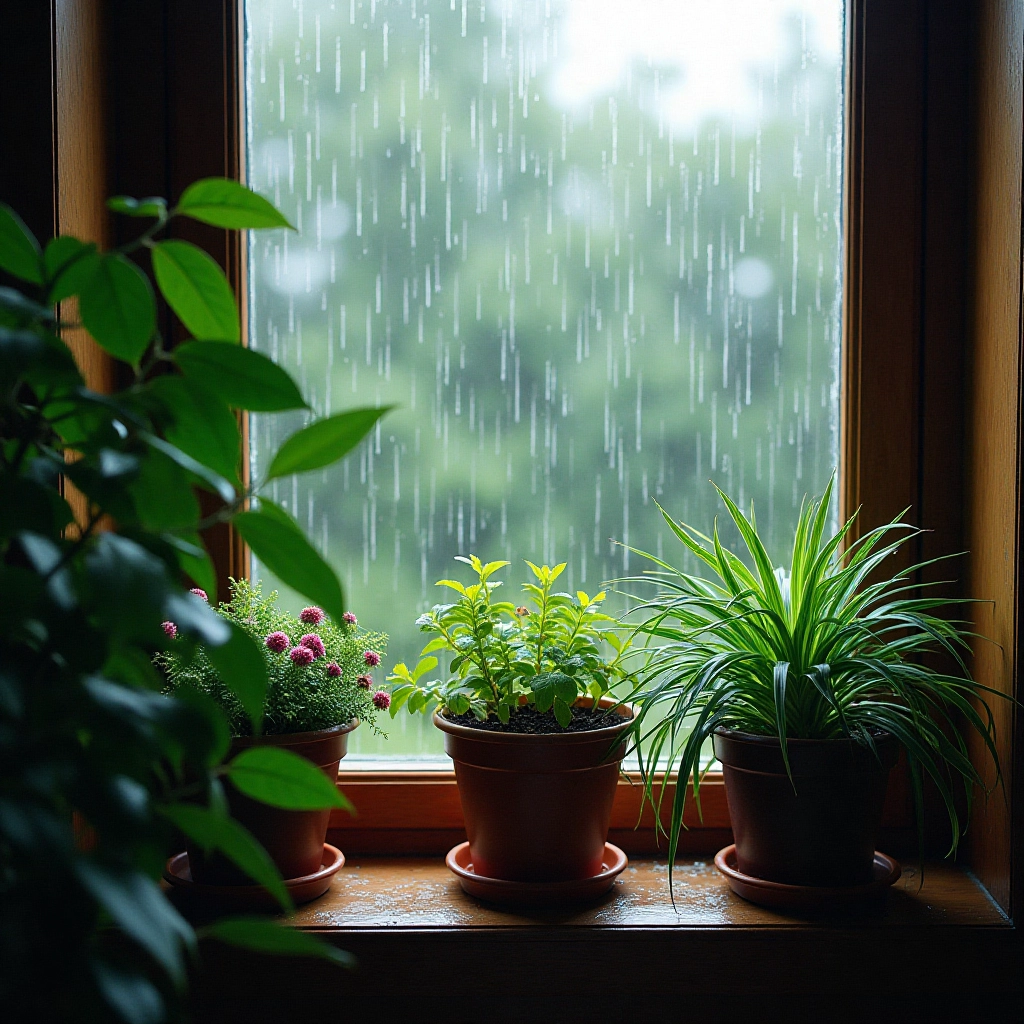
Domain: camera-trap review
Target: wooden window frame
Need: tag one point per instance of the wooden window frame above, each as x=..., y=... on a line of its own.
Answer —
x=149, y=97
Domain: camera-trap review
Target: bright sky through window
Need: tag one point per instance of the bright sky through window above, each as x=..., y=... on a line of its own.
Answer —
x=589, y=248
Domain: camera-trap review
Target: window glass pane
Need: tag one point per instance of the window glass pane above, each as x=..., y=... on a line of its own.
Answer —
x=591, y=251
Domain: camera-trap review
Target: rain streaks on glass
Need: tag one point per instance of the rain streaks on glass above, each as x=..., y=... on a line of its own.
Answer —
x=590, y=248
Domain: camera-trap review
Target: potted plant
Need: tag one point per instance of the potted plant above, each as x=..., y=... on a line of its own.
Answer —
x=809, y=681
x=320, y=688
x=529, y=720
x=104, y=504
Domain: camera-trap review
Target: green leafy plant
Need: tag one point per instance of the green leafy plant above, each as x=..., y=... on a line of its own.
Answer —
x=829, y=648
x=99, y=768
x=319, y=671
x=542, y=655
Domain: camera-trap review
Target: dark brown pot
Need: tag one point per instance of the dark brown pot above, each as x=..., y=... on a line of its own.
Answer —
x=823, y=833
x=536, y=807
x=294, y=839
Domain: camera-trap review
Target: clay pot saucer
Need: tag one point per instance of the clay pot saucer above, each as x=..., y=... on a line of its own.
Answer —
x=535, y=894
x=255, y=897
x=806, y=898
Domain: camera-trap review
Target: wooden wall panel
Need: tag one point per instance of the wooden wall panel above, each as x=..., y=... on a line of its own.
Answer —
x=82, y=180
x=993, y=447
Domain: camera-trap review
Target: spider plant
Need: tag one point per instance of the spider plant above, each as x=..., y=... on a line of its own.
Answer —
x=832, y=647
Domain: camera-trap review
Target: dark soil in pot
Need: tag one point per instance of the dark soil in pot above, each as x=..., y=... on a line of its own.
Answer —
x=528, y=720
x=294, y=839
x=537, y=804
x=820, y=828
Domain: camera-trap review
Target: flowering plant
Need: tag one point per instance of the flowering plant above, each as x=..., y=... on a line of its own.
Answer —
x=543, y=654
x=320, y=672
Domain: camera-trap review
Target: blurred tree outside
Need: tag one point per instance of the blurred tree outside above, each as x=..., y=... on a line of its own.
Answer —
x=586, y=284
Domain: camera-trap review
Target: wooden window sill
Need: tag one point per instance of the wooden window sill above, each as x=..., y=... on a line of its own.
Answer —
x=428, y=952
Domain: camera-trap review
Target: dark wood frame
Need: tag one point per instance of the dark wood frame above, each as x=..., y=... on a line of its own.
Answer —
x=932, y=315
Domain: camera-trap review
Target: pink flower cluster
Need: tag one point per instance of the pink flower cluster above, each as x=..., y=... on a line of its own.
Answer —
x=364, y=682
x=372, y=658
x=170, y=629
x=382, y=700
x=313, y=643
x=200, y=593
x=312, y=615
x=349, y=618
x=301, y=656
x=334, y=670
x=277, y=641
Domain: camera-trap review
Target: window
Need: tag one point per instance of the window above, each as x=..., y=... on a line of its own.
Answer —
x=592, y=255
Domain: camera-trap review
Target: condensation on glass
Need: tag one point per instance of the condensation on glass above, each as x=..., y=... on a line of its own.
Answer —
x=589, y=249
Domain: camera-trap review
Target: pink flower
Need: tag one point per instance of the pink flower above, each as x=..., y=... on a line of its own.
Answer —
x=349, y=618
x=199, y=592
x=334, y=670
x=382, y=700
x=301, y=656
x=364, y=682
x=313, y=643
x=170, y=629
x=277, y=641
x=372, y=658
x=312, y=615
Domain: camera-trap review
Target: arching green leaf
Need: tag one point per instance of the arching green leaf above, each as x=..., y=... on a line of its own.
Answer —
x=197, y=290
x=324, y=442
x=244, y=379
x=227, y=204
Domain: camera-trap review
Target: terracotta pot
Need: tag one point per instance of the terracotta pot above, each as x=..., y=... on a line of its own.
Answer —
x=822, y=827
x=294, y=839
x=537, y=807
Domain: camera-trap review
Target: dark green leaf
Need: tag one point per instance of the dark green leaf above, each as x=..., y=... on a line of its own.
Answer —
x=131, y=996
x=194, y=561
x=280, y=778
x=243, y=669
x=19, y=250
x=279, y=544
x=117, y=308
x=227, y=204
x=239, y=376
x=214, y=480
x=324, y=442
x=197, y=290
x=263, y=936
x=202, y=425
x=139, y=909
x=214, y=831
x=162, y=494
x=21, y=306
x=69, y=264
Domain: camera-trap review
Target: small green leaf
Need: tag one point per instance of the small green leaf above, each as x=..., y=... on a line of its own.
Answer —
x=197, y=290
x=153, y=206
x=263, y=936
x=563, y=713
x=116, y=305
x=324, y=442
x=227, y=204
x=280, y=778
x=19, y=250
x=281, y=546
x=215, y=831
x=243, y=669
x=244, y=379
